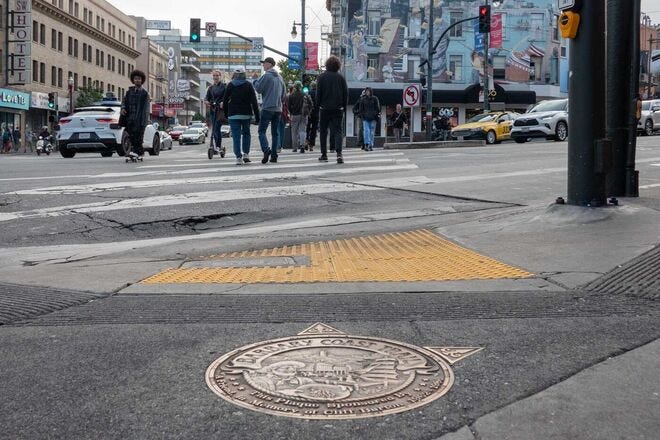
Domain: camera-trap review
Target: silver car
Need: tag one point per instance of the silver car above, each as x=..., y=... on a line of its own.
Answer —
x=650, y=120
x=547, y=119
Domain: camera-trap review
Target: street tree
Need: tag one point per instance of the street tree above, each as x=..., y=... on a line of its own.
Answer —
x=87, y=96
x=288, y=74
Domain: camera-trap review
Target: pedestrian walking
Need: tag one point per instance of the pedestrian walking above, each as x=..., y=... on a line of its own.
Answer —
x=271, y=87
x=29, y=140
x=358, y=122
x=299, y=105
x=369, y=112
x=214, y=102
x=313, y=120
x=332, y=98
x=6, y=140
x=16, y=137
x=240, y=104
x=399, y=120
x=135, y=112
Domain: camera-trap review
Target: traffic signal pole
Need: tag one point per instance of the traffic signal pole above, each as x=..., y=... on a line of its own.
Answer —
x=429, y=76
x=588, y=150
x=486, y=44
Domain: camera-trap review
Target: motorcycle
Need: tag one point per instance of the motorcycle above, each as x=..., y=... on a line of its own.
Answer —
x=44, y=146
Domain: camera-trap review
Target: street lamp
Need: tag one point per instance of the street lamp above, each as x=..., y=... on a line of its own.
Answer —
x=70, y=94
x=294, y=34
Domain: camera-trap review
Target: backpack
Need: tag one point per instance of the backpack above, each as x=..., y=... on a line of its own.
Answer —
x=306, y=106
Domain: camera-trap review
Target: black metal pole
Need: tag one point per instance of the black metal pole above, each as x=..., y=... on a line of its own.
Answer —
x=587, y=155
x=619, y=77
x=632, y=176
x=429, y=76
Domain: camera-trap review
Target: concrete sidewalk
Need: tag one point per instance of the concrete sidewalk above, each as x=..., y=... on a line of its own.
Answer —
x=616, y=399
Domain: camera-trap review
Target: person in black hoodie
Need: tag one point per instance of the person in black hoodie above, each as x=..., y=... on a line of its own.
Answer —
x=240, y=103
x=332, y=98
x=369, y=112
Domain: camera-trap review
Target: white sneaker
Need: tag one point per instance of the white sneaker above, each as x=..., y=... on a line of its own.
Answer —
x=239, y=161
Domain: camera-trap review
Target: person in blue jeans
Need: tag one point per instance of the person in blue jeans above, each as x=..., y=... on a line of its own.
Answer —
x=240, y=103
x=273, y=91
x=369, y=112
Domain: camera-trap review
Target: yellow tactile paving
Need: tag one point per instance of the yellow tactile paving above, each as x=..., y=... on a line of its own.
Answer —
x=403, y=256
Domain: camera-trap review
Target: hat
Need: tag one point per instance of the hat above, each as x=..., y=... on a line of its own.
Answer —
x=268, y=60
x=239, y=70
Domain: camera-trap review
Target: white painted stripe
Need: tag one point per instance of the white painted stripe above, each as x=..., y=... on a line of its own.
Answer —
x=652, y=185
x=189, y=198
x=107, y=186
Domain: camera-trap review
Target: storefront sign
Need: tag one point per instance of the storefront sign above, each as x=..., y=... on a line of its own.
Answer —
x=19, y=22
x=14, y=99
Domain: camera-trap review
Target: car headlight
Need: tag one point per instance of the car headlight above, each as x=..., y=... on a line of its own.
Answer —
x=546, y=118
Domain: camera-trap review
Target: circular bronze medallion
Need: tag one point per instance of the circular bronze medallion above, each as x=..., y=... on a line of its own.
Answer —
x=330, y=376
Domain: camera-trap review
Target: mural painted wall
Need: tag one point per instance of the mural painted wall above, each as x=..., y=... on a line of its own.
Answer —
x=385, y=41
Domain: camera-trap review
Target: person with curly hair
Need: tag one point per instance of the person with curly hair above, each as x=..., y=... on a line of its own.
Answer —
x=135, y=110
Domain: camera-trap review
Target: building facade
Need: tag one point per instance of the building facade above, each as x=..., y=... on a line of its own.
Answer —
x=71, y=44
x=383, y=42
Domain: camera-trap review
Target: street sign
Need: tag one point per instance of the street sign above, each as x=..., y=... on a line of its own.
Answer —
x=161, y=25
x=211, y=28
x=258, y=43
x=565, y=4
x=412, y=95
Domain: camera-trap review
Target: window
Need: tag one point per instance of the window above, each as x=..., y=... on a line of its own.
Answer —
x=59, y=77
x=85, y=14
x=372, y=67
x=35, y=31
x=456, y=31
x=97, y=57
x=53, y=76
x=109, y=62
x=89, y=53
x=456, y=67
x=374, y=26
x=499, y=67
x=71, y=7
x=42, y=73
x=42, y=34
x=35, y=71
x=555, y=28
x=76, y=9
x=59, y=41
x=70, y=46
x=75, y=48
x=101, y=57
x=53, y=39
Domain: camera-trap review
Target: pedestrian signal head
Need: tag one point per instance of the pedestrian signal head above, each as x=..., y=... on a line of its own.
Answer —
x=484, y=19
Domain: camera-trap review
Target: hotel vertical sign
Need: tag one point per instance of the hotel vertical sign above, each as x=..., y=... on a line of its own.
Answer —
x=19, y=33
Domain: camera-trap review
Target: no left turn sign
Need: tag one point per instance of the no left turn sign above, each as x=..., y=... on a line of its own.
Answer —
x=411, y=95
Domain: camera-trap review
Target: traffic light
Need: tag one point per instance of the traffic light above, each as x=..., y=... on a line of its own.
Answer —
x=51, y=100
x=195, y=24
x=484, y=19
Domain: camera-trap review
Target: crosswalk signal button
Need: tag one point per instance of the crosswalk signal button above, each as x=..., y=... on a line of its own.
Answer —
x=569, y=22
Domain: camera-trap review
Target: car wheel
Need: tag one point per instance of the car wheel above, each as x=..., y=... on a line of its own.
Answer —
x=648, y=127
x=561, y=131
x=66, y=153
x=491, y=137
x=520, y=140
x=155, y=146
x=125, y=146
x=106, y=154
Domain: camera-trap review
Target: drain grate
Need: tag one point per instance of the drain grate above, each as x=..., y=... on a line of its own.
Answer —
x=19, y=302
x=639, y=277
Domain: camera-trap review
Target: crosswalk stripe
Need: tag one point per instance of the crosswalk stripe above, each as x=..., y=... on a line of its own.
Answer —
x=118, y=185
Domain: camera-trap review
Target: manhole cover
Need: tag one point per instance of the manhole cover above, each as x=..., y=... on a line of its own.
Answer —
x=323, y=373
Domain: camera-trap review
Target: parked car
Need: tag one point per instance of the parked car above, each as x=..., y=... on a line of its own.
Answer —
x=192, y=136
x=494, y=127
x=95, y=129
x=201, y=125
x=650, y=120
x=547, y=119
x=165, y=140
x=176, y=131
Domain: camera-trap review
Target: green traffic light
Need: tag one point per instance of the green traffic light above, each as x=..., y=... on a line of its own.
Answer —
x=194, y=37
x=305, y=89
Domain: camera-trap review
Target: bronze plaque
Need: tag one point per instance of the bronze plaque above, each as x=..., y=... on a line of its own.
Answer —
x=323, y=373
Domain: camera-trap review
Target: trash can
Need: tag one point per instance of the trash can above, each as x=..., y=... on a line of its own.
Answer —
x=286, y=142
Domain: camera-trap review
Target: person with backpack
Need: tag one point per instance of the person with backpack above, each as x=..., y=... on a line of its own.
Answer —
x=214, y=101
x=369, y=112
x=299, y=105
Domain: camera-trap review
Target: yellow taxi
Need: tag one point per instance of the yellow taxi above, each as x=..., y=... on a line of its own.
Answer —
x=494, y=127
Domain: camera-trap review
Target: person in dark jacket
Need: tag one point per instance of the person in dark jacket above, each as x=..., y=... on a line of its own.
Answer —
x=369, y=112
x=313, y=120
x=213, y=100
x=399, y=119
x=135, y=108
x=299, y=105
x=240, y=103
x=332, y=98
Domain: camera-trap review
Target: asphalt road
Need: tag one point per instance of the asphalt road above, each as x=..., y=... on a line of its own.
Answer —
x=88, y=352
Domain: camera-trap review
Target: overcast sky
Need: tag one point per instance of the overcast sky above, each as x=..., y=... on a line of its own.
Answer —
x=652, y=8
x=271, y=19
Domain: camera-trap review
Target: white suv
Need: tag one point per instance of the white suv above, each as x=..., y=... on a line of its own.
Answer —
x=650, y=120
x=547, y=119
x=95, y=129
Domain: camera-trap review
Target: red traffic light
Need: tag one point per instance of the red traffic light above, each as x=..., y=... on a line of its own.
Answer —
x=484, y=19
